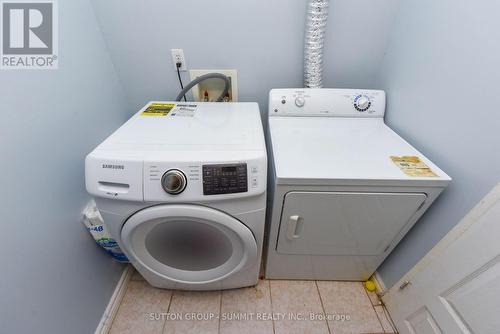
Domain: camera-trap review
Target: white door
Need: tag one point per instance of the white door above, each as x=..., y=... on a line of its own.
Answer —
x=455, y=288
x=189, y=244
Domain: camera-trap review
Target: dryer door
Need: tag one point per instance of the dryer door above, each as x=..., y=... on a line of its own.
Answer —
x=344, y=223
x=188, y=244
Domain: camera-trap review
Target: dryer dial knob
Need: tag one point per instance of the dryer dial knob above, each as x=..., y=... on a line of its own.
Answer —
x=362, y=103
x=300, y=101
x=174, y=181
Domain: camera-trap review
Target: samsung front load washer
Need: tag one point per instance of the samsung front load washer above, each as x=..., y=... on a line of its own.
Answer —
x=344, y=187
x=182, y=188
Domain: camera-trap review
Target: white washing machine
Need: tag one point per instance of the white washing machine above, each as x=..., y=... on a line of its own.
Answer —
x=182, y=188
x=344, y=187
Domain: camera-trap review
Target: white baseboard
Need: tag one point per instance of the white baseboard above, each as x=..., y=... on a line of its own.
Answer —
x=379, y=283
x=110, y=312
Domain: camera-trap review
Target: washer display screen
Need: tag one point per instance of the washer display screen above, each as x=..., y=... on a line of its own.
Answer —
x=225, y=179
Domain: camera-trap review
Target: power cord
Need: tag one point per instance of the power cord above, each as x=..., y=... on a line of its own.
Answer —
x=178, y=66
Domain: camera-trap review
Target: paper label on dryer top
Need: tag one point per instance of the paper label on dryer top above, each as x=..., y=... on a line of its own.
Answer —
x=413, y=166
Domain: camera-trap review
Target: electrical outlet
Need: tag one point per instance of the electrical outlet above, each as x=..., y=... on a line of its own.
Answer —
x=178, y=57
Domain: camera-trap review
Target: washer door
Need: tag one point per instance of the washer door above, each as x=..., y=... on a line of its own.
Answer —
x=188, y=244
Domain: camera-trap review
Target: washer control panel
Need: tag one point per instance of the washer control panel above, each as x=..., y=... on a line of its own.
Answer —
x=224, y=179
x=205, y=180
x=327, y=102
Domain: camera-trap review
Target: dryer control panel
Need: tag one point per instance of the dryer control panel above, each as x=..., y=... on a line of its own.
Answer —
x=325, y=102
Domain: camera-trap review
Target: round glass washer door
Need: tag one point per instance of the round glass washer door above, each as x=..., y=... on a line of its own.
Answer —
x=189, y=244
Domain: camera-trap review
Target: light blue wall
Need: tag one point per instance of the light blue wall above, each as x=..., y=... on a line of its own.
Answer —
x=54, y=279
x=262, y=39
x=438, y=50
x=441, y=75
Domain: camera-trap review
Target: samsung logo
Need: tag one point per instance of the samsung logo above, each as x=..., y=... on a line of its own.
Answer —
x=113, y=166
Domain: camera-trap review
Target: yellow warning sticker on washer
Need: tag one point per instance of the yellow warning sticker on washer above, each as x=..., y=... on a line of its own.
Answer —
x=413, y=166
x=158, y=109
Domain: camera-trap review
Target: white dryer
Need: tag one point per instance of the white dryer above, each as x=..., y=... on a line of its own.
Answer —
x=344, y=187
x=182, y=188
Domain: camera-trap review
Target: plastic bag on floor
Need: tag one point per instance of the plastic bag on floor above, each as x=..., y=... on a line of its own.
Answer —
x=95, y=225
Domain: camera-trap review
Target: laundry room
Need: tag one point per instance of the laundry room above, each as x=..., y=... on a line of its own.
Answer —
x=307, y=166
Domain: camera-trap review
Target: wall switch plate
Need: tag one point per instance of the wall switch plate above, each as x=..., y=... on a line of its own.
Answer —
x=214, y=87
x=178, y=56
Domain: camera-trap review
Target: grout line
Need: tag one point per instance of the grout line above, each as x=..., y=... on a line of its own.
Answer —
x=388, y=317
x=220, y=310
x=170, y=301
x=168, y=310
x=386, y=313
x=322, y=306
x=373, y=307
x=271, y=301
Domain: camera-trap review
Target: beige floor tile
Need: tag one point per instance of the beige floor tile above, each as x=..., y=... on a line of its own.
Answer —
x=199, y=311
x=136, y=276
x=384, y=319
x=297, y=299
x=373, y=298
x=349, y=298
x=247, y=304
x=135, y=314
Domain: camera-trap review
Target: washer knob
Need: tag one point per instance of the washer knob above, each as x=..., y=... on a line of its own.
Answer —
x=174, y=181
x=300, y=101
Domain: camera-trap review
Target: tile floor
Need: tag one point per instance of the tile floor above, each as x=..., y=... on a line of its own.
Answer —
x=270, y=307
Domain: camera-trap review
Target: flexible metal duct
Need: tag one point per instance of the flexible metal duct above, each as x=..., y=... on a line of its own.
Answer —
x=317, y=15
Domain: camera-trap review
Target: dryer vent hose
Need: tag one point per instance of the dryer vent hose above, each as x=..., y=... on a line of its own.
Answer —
x=317, y=16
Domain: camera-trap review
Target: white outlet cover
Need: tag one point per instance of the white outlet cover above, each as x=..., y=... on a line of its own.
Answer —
x=178, y=54
x=197, y=90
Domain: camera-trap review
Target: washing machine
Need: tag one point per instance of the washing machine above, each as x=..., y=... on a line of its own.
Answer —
x=344, y=188
x=182, y=189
